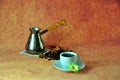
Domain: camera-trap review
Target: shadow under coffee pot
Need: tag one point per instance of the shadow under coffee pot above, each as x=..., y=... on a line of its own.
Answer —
x=35, y=43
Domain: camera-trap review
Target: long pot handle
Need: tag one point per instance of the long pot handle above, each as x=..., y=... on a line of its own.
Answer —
x=54, y=26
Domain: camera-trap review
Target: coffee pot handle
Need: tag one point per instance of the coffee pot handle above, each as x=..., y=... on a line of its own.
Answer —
x=54, y=26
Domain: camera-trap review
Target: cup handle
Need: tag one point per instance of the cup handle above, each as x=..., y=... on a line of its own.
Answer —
x=78, y=57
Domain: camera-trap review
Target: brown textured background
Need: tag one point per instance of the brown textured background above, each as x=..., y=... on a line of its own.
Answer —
x=91, y=24
x=89, y=21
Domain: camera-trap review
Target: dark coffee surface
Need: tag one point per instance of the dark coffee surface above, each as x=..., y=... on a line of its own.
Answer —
x=68, y=55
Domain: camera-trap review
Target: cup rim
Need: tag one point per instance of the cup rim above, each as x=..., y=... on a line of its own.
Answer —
x=68, y=52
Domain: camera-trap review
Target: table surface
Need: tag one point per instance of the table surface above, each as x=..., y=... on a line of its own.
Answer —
x=102, y=63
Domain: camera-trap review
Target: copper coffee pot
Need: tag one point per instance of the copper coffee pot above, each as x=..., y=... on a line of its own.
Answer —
x=35, y=43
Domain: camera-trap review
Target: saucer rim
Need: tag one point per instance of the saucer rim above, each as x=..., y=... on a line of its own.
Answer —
x=63, y=69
